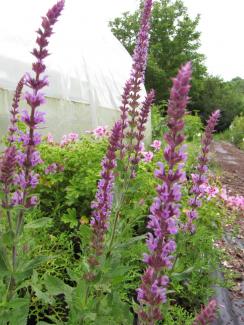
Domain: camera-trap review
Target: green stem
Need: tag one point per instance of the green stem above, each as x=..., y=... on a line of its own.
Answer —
x=113, y=232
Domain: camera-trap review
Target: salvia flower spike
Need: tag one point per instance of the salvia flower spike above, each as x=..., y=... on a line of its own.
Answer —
x=165, y=208
x=199, y=179
x=207, y=314
x=30, y=157
x=141, y=124
x=103, y=202
x=12, y=136
x=131, y=95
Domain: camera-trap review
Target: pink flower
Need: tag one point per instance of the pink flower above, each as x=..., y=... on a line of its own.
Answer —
x=100, y=131
x=148, y=156
x=50, y=138
x=235, y=202
x=64, y=140
x=51, y=169
x=73, y=137
x=223, y=194
x=211, y=191
x=156, y=145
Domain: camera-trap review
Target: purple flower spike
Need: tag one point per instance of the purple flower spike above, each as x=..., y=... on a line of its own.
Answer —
x=15, y=111
x=8, y=164
x=207, y=314
x=141, y=124
x=103, y=202
x=131, y=95
x=30, y=157
x=165, y=208
x=199, y=180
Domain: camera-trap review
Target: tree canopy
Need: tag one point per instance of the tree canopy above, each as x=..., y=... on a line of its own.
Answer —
x=175, y=40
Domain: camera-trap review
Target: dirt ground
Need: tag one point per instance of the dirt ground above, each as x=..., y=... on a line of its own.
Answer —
x=230, y=160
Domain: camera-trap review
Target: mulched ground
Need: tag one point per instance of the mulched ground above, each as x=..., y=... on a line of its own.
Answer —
x=231, y=162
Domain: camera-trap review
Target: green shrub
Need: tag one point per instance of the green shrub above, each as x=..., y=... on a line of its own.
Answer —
x=66, y=197
x=70, y=192
x=235, y=133
x=193, y=127
x=193, y=124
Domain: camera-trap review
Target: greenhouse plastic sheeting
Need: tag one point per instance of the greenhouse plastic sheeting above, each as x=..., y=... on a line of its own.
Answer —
x=87, y=67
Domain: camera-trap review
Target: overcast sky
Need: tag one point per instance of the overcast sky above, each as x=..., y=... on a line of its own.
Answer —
x=222, y=28
x=221, y=25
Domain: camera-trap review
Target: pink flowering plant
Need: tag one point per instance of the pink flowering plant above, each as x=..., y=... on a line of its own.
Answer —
x=130, y=226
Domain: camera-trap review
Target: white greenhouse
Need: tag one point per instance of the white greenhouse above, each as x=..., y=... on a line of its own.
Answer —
x=87, y=67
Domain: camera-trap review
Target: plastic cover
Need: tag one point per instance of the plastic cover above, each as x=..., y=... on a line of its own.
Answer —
x=87, y=65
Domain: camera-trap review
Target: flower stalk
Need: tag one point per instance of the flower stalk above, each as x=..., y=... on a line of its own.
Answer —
x=164, y=211
x=207, y=314
x=130, y=98
x=14, y=112
x=199, y=179
x=102, y=204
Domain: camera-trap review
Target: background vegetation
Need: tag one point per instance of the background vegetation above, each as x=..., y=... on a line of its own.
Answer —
x=174, y=40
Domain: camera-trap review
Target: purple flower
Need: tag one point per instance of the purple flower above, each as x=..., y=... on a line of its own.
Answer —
x=165, y=209
x=25, y=139
x=35, y=158
x=20, y=180
x=141, y=126
x=51, y=169
x=33, y=201
x=8, y=164
x=199, y=180
x=14, y=111
x=207, y=314
x=30, y=157
x=17, y=198
x=34, y=100
x=21, y=158
x=103, y=202
x=131, y=116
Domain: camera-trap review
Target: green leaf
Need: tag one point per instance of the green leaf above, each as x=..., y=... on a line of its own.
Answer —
x=8, y=238
x=25, y=269
x=56, y=286
x=183, y=275
x=4, y=261
x=131, y=241
x=39, y=223
x=16, y=312
x=70, y=218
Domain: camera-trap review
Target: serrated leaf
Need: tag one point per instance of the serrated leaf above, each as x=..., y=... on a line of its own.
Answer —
x=56, y=286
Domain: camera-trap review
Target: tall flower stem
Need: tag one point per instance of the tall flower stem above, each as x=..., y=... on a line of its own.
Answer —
x=199, y=179
x=102, y=204
x=130, y=98
x=165, y=208
x=29, y=157
x=14, y=112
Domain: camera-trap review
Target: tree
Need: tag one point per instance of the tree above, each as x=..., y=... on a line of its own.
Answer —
x=174, y=40
x=227, y=96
